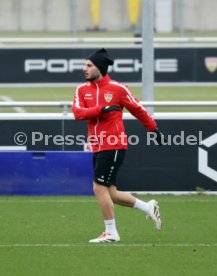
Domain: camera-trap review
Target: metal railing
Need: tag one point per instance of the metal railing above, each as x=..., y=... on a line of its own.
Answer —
x=66, y=115
x=179, y=103
x=106, y=40
x=35, y=104
x=67, y=104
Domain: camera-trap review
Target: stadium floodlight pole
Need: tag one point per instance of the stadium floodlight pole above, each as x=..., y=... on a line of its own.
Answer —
x=74, y=10
x=181, y=17
x=148, y=52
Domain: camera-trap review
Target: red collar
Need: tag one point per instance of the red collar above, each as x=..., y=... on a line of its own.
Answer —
x=102, y=81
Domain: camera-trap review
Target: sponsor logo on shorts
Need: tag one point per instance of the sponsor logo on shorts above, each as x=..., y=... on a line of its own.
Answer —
x=100, y=179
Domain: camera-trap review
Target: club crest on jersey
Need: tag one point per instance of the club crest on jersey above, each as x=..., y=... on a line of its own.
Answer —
x=108, y=97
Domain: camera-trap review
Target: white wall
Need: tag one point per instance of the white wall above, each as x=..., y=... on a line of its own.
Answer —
x=199, y=15
x=113, y=15
x=32, y=15
x=55, y=15
x=164, y=15
x=8, y=15
x=58, y=15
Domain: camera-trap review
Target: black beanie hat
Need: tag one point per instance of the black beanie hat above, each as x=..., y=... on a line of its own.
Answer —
x=101, y=60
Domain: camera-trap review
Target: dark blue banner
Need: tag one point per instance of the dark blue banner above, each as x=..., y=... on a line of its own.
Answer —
x=64, y=65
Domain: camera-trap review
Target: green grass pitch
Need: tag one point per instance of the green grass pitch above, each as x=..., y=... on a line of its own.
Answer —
x=49, y=236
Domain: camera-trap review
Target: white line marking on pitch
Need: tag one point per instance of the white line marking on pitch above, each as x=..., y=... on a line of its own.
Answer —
x=149, y=245
x=9, y=99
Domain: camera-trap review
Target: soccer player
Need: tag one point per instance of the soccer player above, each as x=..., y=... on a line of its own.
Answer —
x=101, y=100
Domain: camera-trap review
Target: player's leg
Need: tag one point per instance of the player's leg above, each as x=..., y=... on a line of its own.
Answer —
x=150, y=208
x=103, y=162
x=104, y=200
x=121, y=198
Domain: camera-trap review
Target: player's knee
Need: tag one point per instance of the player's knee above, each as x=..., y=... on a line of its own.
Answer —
x=99, y=189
